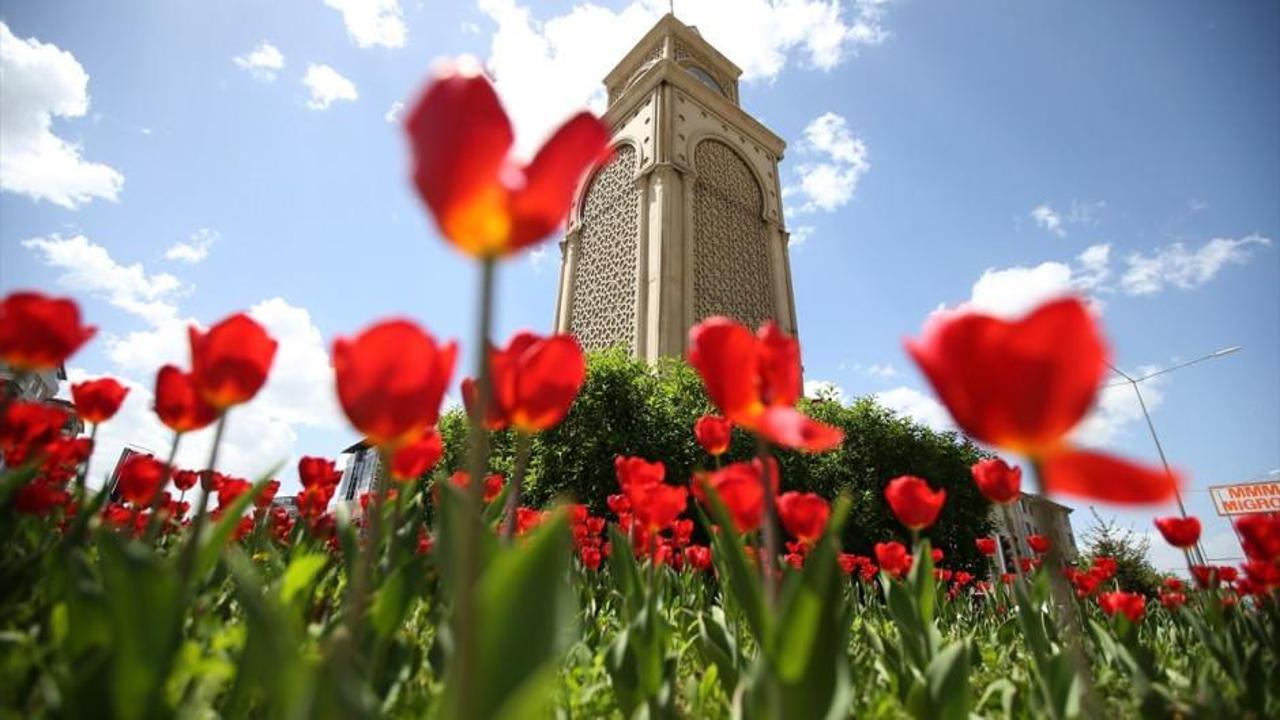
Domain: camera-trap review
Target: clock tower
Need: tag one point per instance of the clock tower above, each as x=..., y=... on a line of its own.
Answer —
x=685, y=221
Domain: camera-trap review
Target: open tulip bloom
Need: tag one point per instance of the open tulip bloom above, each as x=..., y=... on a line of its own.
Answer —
x=1023, y=385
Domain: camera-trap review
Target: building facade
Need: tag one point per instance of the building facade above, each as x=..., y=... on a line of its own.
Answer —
x=685, y=220
x=1033, y=515
x=358, y=476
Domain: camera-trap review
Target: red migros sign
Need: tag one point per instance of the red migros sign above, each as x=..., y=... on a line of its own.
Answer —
x=1247, y=498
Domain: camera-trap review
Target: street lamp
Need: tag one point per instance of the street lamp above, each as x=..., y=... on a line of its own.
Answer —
x=1130, y=380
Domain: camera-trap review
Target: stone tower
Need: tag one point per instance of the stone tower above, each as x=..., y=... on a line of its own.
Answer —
x=685, y=220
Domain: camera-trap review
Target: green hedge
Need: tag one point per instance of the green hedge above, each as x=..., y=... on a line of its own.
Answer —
x=630, y=408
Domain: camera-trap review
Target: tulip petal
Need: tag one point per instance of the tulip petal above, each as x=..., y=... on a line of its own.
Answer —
x=1018, y=385
x=551, y=373
x=726, y=355
x=788, y=427
x=461, y=136
x=780, y=378
x=550, y=180
x=1103, y=477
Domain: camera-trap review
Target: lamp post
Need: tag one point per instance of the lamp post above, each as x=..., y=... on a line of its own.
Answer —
x=1134, y=381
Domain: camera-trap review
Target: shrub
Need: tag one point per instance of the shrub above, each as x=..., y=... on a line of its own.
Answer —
x=628, y=407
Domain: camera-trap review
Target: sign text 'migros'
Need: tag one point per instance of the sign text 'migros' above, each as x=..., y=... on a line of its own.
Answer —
x=1248, y=498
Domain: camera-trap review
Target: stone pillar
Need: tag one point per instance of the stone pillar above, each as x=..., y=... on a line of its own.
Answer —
x=568, y=265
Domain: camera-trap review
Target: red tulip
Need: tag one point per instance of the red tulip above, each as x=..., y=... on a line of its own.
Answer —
x=139, y=479
x=527, y=519
x=178, y=404
x=986, y=545
x=318, y=472
x=698, y=557
x=26, y=428
x=755, y=381
x=39, y=497
x=997, y=481
x=415, y=458
x=230, y=489
x=1039, y=544
x=740, y=487
x=98, y=400
x=485, y=203
x=230, y=362
x=590, y=557
x=655, y=504
x=391, y=379
x=492, y=487
x=1172, y=600
x=804, y=515
x=1180, y=532
x=39, y=332
x=1260, y=535
x=713, y=433
x=913, y=503
x=267, y=494
x=1131, y=605
x=893, y=557
x=185, y=479
x=535, y=381
x=1024, y=385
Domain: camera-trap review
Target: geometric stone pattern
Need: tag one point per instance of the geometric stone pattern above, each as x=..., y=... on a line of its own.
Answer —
x=603, y=310
x=732, y=273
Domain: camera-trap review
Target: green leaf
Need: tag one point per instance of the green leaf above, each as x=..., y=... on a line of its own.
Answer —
x=212, y=545
x=391, y=603
x=301, y=573
x=947, y=678
x=142, y=594
x=733, y=568
x=523, y=604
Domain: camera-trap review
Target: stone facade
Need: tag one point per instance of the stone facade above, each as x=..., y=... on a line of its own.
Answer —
x=686, y=220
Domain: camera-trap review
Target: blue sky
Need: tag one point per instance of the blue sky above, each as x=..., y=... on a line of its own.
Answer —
x=222, y=156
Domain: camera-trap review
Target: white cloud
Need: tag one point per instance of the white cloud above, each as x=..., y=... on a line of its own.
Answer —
x=882, y=371
x=298, y=393
x=920, y=407
x=300, y=390
x=254, y=442
x=1085, y=213
x=195, y=249
x=800, y=234
x=544, y=69
x=1175, y=265
x=327, y=87
x=394, y=113
x=1048, y=219
x=825, y=390
x=538, y=257
x=89, y=268
x=372, y=22
x=829, y=182
x=1013, y=292
x=38, y=82
x=263, y=62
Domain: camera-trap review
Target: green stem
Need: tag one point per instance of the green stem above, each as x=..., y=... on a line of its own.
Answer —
x=197, y=521
x=468, y=550
x=371, y=543
x=769, y=530
x=523, y=443
x=1070, y=625
x=152, y=528
x=83, y=474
